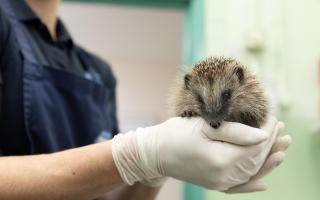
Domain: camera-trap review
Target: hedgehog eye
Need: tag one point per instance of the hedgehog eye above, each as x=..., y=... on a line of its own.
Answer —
x=199, y=99
x=226, y=95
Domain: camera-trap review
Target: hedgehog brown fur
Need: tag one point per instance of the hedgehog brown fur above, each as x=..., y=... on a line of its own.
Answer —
x=220, y=89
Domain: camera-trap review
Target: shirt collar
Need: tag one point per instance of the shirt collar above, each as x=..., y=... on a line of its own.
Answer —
x=63, y=35
x=24, y=13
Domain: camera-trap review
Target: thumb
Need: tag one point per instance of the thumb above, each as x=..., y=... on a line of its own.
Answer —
x=235, y=133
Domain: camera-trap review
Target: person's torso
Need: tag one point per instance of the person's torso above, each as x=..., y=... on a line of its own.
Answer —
x=61, y=54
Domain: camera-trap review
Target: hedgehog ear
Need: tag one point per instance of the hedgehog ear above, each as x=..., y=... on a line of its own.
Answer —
x=238, y=71
x=187, y=80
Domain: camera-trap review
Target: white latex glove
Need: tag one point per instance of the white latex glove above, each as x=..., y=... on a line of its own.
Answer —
x=190, y=150
x=275, y=158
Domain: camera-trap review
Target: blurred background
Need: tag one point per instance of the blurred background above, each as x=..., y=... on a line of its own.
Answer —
x=148, y=42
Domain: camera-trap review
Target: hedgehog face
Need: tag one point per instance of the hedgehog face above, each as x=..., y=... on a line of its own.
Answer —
x=214, y=90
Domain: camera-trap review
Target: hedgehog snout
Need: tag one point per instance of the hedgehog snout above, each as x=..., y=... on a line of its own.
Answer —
x=215, y=119
x=215, y=124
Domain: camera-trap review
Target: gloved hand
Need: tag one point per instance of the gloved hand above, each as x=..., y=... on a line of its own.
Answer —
x=190, y=150
x=274, y=159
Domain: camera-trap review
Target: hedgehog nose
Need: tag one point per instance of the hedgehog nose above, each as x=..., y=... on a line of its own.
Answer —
x=215, y=124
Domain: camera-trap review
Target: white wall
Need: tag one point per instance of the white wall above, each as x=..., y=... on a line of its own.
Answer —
x=143, y=45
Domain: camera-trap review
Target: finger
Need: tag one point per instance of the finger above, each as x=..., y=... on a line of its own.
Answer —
x=260, y=153
x=272, y=127
x=281, y=144
x=235, y=133
x=272, y=162
x=251, y=186
x=262, y=150
x=254, y=184
x=270, y=124
x=281, y=128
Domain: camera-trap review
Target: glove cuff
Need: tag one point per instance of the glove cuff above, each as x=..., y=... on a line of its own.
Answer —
x=134, y=157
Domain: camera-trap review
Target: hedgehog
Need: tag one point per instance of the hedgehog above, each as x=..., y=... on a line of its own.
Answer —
x=220, y=89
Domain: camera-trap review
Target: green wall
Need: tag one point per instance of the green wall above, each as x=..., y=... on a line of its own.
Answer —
x=194, y=47
x=298, y=178
x=154, y=3
x=289, y=62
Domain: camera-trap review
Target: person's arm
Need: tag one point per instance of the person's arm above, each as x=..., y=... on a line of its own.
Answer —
x=163, y=150
x=83, y=173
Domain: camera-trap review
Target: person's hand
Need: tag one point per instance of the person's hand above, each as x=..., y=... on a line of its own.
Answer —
x=190, y=150
x=274, y=159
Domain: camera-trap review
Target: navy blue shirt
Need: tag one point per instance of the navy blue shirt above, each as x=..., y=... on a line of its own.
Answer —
x=59, y=53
